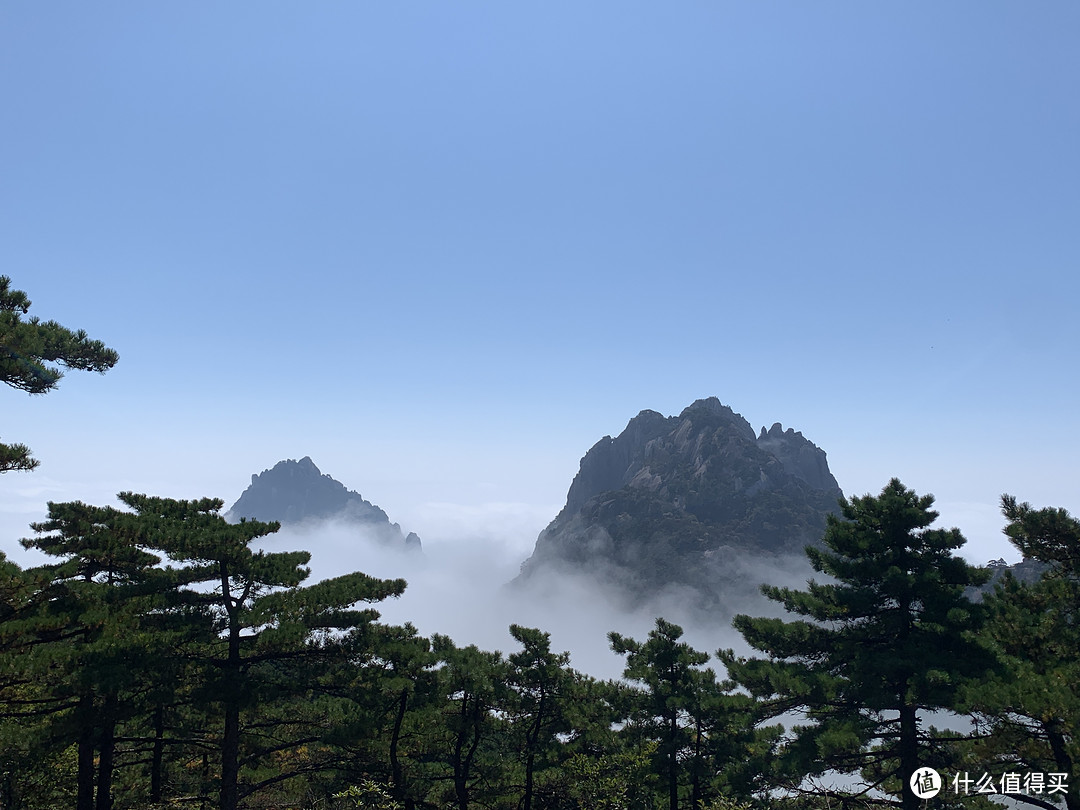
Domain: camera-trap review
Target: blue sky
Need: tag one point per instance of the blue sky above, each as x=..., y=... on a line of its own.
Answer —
x=443, y=248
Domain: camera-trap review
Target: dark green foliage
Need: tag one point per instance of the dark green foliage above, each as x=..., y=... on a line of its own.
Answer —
x=163, y=661
x=886, y=638
x=34, y=771
x=474, y=685
x=31, y=779
x=94, y=650
x=1029, y=712
x=265, y=626
x=391, y=689
x=1049, y=535
x=699, y=730
x=367, y=795
x=27, y=347
x=37, y=771
x=542, y=685
x=144, y=669
x=669, y=672
x=620, y=779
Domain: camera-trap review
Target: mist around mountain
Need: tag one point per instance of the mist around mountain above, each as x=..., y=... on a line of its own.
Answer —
x=695, y=503
x=298, y=494
x=692, y=511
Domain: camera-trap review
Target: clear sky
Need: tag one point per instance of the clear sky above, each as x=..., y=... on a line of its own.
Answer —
x=443, y=248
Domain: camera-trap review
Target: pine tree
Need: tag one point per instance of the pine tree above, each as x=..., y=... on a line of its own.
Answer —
x=388, y=682
x=542, y=683
x=26, y=349
x=1030, y=711
x=269, y=633
x=410, y=683
x=594, y=761
x=32, y=766
x=1049, y=535
x=473, y=684
x=92, y=623
x=699, y=727
x=885, y=639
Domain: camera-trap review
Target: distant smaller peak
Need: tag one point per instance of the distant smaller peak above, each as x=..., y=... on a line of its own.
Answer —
x=307, y=463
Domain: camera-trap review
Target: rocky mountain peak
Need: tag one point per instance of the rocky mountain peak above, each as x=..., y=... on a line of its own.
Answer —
x=670, y=500
x=297, y=492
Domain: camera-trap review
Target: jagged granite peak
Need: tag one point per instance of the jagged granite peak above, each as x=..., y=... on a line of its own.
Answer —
x=297, y=492
x=671, y=501
x=612, y=463
x=800, y=456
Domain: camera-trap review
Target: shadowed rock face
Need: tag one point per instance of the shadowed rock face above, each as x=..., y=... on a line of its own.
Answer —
x=296, y=492
x=675, y=500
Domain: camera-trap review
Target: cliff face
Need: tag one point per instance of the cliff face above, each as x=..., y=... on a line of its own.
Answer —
x=296, y=492
x=672, y=501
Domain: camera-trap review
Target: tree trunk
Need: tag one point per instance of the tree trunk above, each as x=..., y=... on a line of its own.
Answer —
x=228, y=796
x=529, y=764
x=230, y=757
x=461, y=775
x=909, y=755
x=532, y=740
x=1064, y=762
x=156, y=759
x=85, y=793
x=472, y=715
x=695, y=793
x=395, y=764
x=106, y=754
x=673, y=762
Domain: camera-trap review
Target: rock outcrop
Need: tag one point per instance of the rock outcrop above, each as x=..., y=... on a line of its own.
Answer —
x=1027, y=571
x=296, y=493
x=691, y=500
